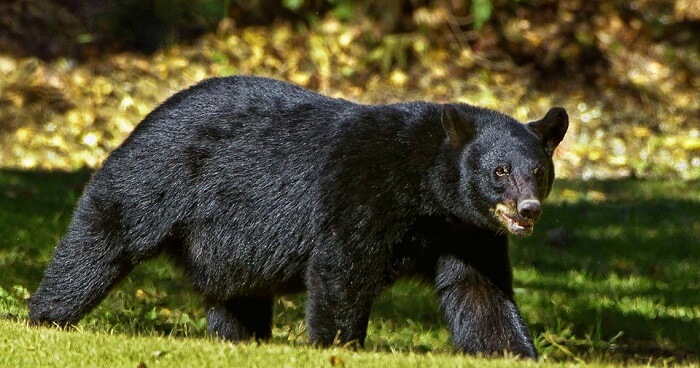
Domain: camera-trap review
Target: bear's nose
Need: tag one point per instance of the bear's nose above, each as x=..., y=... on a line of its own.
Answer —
x=530, y=209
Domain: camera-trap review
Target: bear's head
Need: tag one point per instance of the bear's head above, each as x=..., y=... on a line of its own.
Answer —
x=498, y=170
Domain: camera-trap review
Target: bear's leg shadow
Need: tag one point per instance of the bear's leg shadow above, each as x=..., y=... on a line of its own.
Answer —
x=476, y=298
x=240, y=318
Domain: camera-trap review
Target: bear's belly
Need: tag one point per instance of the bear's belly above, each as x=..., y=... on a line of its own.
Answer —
x=249, y=271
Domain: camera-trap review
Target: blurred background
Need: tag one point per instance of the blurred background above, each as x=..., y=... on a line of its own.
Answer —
x=76, y=76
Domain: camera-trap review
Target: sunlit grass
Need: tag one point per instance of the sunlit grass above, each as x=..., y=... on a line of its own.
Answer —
x=34, y=347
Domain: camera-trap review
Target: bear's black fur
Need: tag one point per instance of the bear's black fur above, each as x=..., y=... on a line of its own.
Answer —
x=259, y=188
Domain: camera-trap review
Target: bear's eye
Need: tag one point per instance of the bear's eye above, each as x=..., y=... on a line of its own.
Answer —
x=538, y=171
x=503, y=170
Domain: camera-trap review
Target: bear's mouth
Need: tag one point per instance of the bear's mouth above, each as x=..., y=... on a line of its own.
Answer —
x=511, y=221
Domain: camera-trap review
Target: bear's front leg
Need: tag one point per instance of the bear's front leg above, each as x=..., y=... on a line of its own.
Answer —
x=340, y=293
x=477, y=301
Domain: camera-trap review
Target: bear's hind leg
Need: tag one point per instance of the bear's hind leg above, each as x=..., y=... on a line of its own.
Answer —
x=241, y=318
x=82, y=271
x=99, y=249
x=339, y=303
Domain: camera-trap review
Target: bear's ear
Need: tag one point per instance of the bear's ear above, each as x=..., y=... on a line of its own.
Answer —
x=551, y=128
x=458, y=126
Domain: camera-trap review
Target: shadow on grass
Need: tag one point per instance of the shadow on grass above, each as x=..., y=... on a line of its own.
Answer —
x=35, y=208
x=608, y=256
x=616, y=257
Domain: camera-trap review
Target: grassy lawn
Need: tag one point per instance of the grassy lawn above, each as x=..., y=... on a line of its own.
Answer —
x=611, y=275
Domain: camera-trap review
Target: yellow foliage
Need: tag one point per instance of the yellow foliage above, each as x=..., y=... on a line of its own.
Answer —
x=63, y=115
x=398, y=78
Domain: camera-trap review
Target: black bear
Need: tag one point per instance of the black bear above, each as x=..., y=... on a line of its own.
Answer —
x=259, y=188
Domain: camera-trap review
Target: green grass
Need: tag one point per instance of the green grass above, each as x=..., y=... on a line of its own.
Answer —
x=611, y=276
x=32, y=347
